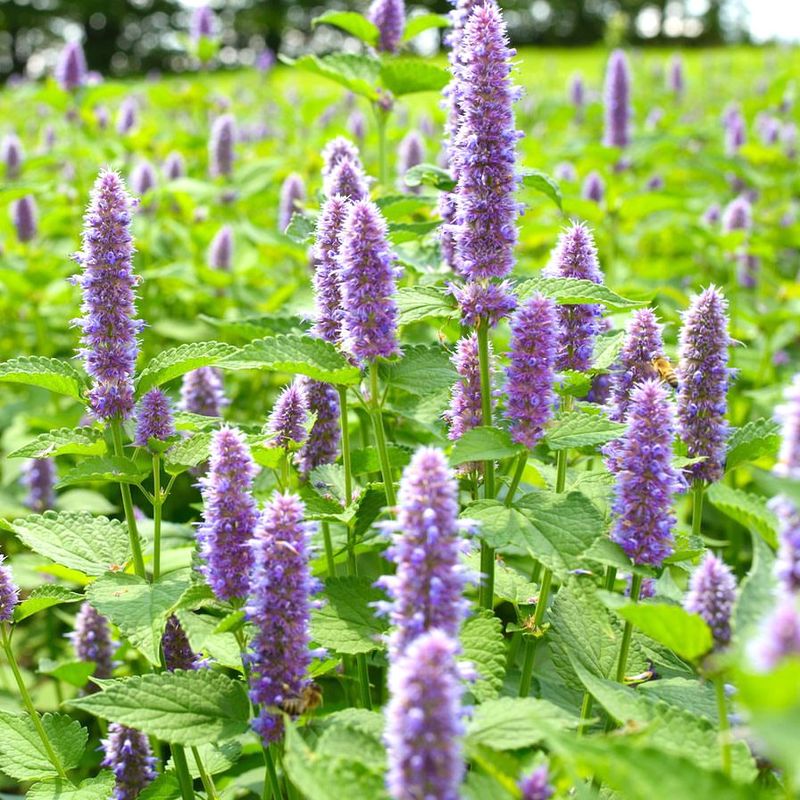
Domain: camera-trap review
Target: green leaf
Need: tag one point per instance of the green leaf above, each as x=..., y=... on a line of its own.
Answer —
x=64, y=441
x=400, y=232
x=356, y=24
x=232, y=622
x=578, y=429
x=409, y=75
x=301, y=228
x=139, y=608
x=113, y=469
x=576, y=291
x=347, y=623
x=49, y=373
x=100, y=787
x=423, y=369
x=542, y=183
x=216, y=758
x=501, y=527
x=358, y=73
x=44, y=597
x=189, y=708
x=606, y=350
x=429, y=175
x=75, y=539
x=756, y=596
x=164, y=787
x=423, y=22
x=417, y=303
x=75, y=673
x=749, y=509
x=368, y=460
x=22, y=754
x=483, y=444
x=753, y=440
x=201, y=629
x=483, y=645
x=303, y=355
x=176, y=361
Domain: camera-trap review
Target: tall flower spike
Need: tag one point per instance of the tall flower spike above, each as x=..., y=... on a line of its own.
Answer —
x=322, y=444
x=389, y=16
x=787, y=565
x=575, y=256
x=127, y=116
x=143, y=178
x=778, y=637
x=327, y=292
x=347, y=179
x=174, y=166
x=594, y=188
x=203, y=23
x=154, y=418
x=91, y=640
x=424, y=721
x=703, y=376
x=39, y=479
x=202, y=392
x=220, y=251
x=367, y=274
x=70, y=72
x=178, y=653
x=531, y=372
x=293, y=193
x=647, y=481
x=536, y=785
x=788, y=413
x=338, y=150
x=110, y=328
x=577, y=93
x=279, y=607
x=483, y=152
x=489, y=301
x=9, y=593
x=465, y=403
x=427, y=588
x=287, y=422
x=11, y=153
x=221, y=146
x=738, y=215
x=676, y=80
x=24, y=215
x=230, y=515
x=128, y=754
x=617, y=98
x=712, y=592
x=410, y=152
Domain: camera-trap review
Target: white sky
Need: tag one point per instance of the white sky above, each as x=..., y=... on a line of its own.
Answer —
x=774, y=18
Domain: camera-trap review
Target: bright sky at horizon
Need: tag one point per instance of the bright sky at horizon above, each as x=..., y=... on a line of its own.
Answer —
x=770, y=19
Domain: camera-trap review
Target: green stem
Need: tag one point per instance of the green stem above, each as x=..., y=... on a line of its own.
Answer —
x=157, y=504
x=329, y=559
x=182, y=768
x=586, y=712
x=698, y=491
x=272, y=776
x=346, y=457
x=532, y=641
x=127, y=504
x=627, y=632
x=512, y=489
x=724, y=725
x=611, y=578
x=487, y=553
x=363, y=681
x=527, y=666
x=381, y=118
x=29, y=707
x=208, y=783
x=380, y=435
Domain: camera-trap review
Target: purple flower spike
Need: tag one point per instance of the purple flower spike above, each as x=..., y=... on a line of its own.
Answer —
x=128, y=753
x=203, y=23
x=293, y=193
x=220, y=251
x=712, y=592
x=643, y=343
x=483, y=152
x=348, y=180
x=428, y=585
x=70, y=72
x=356, y=125
x=11, y=154
x=484, y=301
x=287, y=423
x=735, y=132
x=594, y=188
x=389, y=16
x=329, y=312
x=202, y=392
x=279, y=607
x=779, y=636
x=9, y=593
x=738, y=215
x=788, y=414
x=676, y=79
x=646, y=481
x=575, y=256
x=221, y=146
x=24, y=214
x=322, y=444
x=91, y=641
x=424, y=721
x=787, y=565
x=174, y=166
x=531, y=373
x=617, y=98
x=703, y=377
x=143, y=178
x=367, y=274
x=577, y=93
x=39, y=479
x=229, y=515
x=536, y=786
x=465, y=404
x=154, y=418
x=178, y=653
x=338, y=150
x=712, y=214
x=127, y=116
x=110, y=328
x=410, y=153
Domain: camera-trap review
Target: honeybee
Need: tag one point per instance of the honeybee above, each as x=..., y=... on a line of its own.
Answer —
x=310, y=698
x=665, y=371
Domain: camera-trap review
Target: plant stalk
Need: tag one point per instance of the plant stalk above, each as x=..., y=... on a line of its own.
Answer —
x=182, y=768
x=517, y=477
x=271, y=780
x=380, y=435
x=698, y=493
x=627, y=632
x=329, y=559
x=208, y=782
x=724, y=725
x=157, y=504
x=487, y=553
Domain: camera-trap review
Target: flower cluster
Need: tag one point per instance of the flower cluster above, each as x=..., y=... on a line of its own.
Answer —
x=389, y=16
x=322, y=444
x=465, y=403
x=39, y=479
x=287, y=423
x=220, y=146
x=154, y=418
x=178, y=653
x=202, y=392
x=91, y=640
x=128, y=754
x=712, y=592
x=9, y=593
x=329, y=312
x=293, y=193
x=617, y=97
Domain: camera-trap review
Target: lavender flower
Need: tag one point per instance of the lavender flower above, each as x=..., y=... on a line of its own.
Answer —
x=655, y=183
x=465, y=403
x=174, y=166
x=91, y=640
x=735, y=133
x=279, y=607
x=287, y=423
x=101, y=117
x=203, y=23
x=575, y=256
x=335, y=152
x=367, y=275
x=594, y=188
x=24, y=215
x=11, y=155
x=617, y=98
x=322, y=444
x=178, y=653
x=712, y=592
x=348, y=180
x=577, y=94
x=128, y=754
x=779, y=636
x=410, y=153
x=565, y=171
x=676, y=80
x=712, y=214
x=9, y=593
x=489, y=302
x=531, y=373
x=789, y=415
x=293, y=193
x=646, y=481
x=356, y=125
x=143, y=178
x=110, y=343
x=787, y=565
x=202, y=392
x=221, y=146
x=703, y=376
x=483, y=152
x=738, y=215
x=220, y=251
x=39, y=479
x=389, y=16
x=154, y=418
x=127, y=116
x=424, y=721
x=536, y=785
x=229, y=515
x=70, y=72
x=327, y=293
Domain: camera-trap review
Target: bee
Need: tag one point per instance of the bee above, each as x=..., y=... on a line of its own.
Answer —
x=309, y=699
x=665, y=371
x=643, y=677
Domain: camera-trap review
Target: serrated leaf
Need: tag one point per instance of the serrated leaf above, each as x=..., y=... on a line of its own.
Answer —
x=64, y=441
x=164, y=787
x=139, y=608
x=48, y=373
x=409, y=75
x=113, y=469
x=423, y=22
x=423, y=369
x=749, y=509
x=368, y=460
x=100, y=787
x=187, y=453
x=189, y=708
x=606, y=350
x=542, y=183
x=576, y=291
x=578, y=429
x=75, y=539
x=753, y=440
x=203, y=638
x=216, y=758
x=43, y=597
x=347, y=623
x=756, y=596
x=483, y=646
x=75, y=673
x=483, y=444
x=430, y=175
x=301, y=227
x=177, y=361
x=417, y=303
x=358, y=73
x=302, y=355
x=352, y=22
